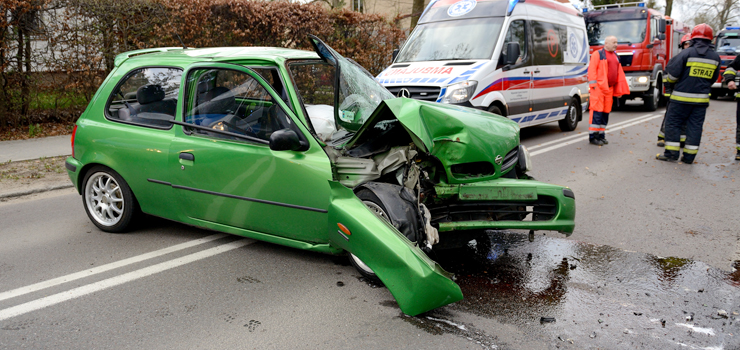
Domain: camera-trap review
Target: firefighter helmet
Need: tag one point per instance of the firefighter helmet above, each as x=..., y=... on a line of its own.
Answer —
x=702, y=31
x=685, y=38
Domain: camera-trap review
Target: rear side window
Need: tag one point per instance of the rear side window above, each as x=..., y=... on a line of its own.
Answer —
x=549, y=41
x=146, y=96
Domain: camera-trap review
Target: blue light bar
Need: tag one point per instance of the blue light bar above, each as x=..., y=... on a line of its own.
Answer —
x=510, y=9
x=733, y=28
x=585, y=9
x=642, y=4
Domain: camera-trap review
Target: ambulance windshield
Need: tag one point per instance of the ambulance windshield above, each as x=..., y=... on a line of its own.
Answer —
x=463, y=39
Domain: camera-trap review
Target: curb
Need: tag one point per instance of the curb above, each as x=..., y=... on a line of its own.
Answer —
x=4, y=196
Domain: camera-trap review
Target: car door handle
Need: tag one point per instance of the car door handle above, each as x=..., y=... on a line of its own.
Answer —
x=537, y=71
x=526, y=72
x=187, y=156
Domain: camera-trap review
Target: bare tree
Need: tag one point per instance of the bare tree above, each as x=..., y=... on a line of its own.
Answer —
x=716, y=13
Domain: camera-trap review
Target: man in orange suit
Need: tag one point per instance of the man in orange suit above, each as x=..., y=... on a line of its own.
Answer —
x=606, y=80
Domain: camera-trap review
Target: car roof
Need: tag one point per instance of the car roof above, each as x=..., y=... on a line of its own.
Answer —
x=214, y=54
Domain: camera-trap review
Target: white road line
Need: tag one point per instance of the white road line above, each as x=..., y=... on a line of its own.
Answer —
x=582, y=138
x=107, y=267
x=580, y=135
x=114, y=281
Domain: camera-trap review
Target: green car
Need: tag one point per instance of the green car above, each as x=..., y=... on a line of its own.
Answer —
x=307, y=150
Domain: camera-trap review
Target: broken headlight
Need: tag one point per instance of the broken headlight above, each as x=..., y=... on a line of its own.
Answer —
x=525, y=160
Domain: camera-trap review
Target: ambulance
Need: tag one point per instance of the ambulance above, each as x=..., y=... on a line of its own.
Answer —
x=526, y=60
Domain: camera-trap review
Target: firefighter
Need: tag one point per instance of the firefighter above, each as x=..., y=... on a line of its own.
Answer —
x=692, y=73
x=605, y=80
x=732, y=79
x=685, y=43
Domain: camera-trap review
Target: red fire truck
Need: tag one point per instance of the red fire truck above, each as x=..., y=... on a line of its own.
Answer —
x=646, y=41
x=727, y=43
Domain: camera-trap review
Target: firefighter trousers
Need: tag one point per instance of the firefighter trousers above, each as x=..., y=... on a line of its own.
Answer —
x=678, y=114
x=737, y=125
x=661, y=133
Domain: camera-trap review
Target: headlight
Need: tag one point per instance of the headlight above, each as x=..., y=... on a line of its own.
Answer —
x=460, y=92
x=642, y=80
x=525, y=160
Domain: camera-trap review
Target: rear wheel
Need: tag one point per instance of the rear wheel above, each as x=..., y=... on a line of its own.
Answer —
x=571, y=118
x=108, y=200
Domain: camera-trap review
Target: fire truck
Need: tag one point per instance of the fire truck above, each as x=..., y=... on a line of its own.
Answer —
x=727, y=43
x=647, y=40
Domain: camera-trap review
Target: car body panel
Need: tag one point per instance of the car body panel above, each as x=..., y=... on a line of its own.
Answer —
x=294, y=197
x=417, y=283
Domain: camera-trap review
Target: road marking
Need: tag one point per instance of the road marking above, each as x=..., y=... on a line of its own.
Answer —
x=118, y=280
x=580, y=135
x=581, y=138
x=107, y=267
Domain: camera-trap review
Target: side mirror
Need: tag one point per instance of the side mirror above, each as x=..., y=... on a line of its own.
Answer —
x=395, y=54
x=661, y=26
x=661, y=36
x=512, y=53
x=285, y=140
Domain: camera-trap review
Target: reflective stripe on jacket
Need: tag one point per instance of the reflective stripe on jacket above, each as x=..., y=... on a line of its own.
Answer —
x=692, y=73
x=598, y=83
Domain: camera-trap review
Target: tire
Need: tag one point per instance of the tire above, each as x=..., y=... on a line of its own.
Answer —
x=495, y=110
x=376, y=206
x=571, y=118
x=108, y=200
x=651, y=102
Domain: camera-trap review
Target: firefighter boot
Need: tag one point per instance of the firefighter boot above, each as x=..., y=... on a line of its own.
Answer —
x=661, y=142
x=595, y=141
x=665, y=158
x=737, y=156
x=688, y=158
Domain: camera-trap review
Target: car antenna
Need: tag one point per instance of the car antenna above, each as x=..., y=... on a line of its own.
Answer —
x=170, y=20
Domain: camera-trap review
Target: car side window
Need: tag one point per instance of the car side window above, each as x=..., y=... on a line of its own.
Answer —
x=232, y=101
x=146, y=96
x=516, y=34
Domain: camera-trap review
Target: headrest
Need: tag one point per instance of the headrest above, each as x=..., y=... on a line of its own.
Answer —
x=149, y=93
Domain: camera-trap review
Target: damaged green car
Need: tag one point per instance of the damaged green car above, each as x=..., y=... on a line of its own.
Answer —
x=307, y=150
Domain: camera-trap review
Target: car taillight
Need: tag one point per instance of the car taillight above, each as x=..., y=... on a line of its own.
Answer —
x=74, y=131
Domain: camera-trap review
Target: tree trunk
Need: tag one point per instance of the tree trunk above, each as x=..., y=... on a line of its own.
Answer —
x=25, y=92
x=668, y=7
x=416, y=10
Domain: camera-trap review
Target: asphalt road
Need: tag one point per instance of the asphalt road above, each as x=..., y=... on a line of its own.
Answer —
x=649, y=266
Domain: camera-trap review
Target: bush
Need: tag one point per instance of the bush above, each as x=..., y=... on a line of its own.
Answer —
x=82, y=38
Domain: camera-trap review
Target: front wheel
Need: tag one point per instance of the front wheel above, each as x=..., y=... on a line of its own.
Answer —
x=108, y=200
x=376, y=206
x=651, y=101
x=571, y=118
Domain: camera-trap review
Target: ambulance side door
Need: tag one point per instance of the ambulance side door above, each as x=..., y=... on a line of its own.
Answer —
x=517, y=81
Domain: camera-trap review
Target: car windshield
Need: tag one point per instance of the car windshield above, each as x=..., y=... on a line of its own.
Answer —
x=728, y=44
x=463, y=39
x=629, y=31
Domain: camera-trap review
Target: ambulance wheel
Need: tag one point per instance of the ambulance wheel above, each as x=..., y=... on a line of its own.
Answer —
x=495, y=110
x=571, y=118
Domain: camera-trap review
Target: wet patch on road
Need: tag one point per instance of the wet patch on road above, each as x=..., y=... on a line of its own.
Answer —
x=581, y=296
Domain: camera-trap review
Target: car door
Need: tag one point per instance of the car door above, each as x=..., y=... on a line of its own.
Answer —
x=517, y=81
x=224, y=172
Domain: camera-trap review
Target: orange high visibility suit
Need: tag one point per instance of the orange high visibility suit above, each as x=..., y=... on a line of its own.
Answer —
x=600, y=101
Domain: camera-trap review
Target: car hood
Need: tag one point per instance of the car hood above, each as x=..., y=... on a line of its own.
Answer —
x=453, y=134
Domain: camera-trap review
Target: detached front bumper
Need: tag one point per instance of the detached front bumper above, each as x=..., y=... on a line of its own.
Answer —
x=505, y=204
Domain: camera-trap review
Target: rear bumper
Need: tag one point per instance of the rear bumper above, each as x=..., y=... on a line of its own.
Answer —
x=505, y=204
x=73, y=170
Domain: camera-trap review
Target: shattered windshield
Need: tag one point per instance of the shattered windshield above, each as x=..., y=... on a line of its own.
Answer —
x=359, y=94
